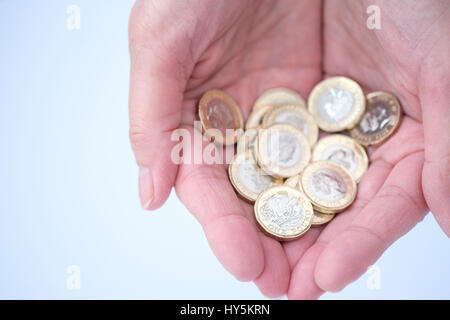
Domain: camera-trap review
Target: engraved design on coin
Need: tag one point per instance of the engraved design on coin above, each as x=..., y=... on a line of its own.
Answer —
x=335, y=104
x=283, y=211
x=283, y=149
x=376, y=118
x=328, y=185
x=253, y=179
x=219, y=115
x=293, y=118
x=342, y=155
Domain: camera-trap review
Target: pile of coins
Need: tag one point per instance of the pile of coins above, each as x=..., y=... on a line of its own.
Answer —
x=295, y=179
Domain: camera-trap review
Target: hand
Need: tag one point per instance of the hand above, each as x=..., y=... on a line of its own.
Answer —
x=180, y=49
x=410, y=173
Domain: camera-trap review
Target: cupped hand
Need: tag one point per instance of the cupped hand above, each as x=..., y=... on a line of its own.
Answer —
x=180, y=49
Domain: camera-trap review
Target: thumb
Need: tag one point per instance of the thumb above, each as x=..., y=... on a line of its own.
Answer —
x=156, y=95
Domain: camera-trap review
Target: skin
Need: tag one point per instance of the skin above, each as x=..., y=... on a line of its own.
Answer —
x=180, y=49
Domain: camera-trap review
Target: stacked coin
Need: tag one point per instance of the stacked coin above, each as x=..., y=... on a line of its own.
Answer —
x=294, y=179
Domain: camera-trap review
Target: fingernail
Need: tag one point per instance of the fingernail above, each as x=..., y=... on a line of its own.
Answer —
x=145, y=187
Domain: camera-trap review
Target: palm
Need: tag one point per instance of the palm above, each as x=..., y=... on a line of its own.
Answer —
x=275, y=45
x=256, y=60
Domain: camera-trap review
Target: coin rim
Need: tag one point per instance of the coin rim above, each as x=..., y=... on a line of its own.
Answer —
x=341, y=139
x=289, y=183
x=358, y=109
x=264, y=162
x=255, y=118
x=237, y=184
x=265, y=97
x=327, y=215
x=313, y=129
x=229, y=139
x=264, y=223
x=394, y=120
x=326, y=206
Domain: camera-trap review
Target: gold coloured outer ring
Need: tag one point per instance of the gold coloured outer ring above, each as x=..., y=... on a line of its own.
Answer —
x=320, y=218
x=359, y=103
x=319, y=204
x=228, y=139
x=390, y=128
x=233, y=173
x=313, y=129
x=340, y=139
x=274, y=231
x=256, y=116
x=278, y=96
x=262, y=157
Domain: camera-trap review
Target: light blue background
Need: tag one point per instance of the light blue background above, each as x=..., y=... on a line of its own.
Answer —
x=68, y=180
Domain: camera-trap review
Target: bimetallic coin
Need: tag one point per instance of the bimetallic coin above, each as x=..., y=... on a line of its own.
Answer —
x=320, y=218
x=382, y=117
x=256, y=116
x=294, y=115
x=249, y=180
x=282, y=150
x=247, y=140
x=283, y=213
x=221, y=117
x=329, y=187
x=278, y=96
x=344, y=151
x=336, y=104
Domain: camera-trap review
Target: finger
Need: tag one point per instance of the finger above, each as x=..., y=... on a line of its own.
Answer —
x=273, y=281
x=209, y=196
x=436, y=171
x=395, y=209
x=303, y=284
x=156, y=93
x=297, y=248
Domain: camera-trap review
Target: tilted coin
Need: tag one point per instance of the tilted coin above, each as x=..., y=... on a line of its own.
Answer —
x=382, y=117
x=336, y=104
x=293, y=182
x=256, y=116
x=221, y=117
x=249, y=180
x=247, y=140
x=297, y=116
x=282, y=150
x=283, y=213
x=344, y=151
x=320, y=218
x=329, y=187
x=278, y=96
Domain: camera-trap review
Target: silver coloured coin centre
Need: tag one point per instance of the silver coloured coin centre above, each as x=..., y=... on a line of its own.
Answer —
x=283, y=211
x=294, y=119
x=335, y=104
x=376, y=118
x=253, y=179
x=342, y=155
x=328, y=185
x=283, y=149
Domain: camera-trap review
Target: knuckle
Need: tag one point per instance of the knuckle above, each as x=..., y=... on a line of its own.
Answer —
x=397, y=194
x=139, y=138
